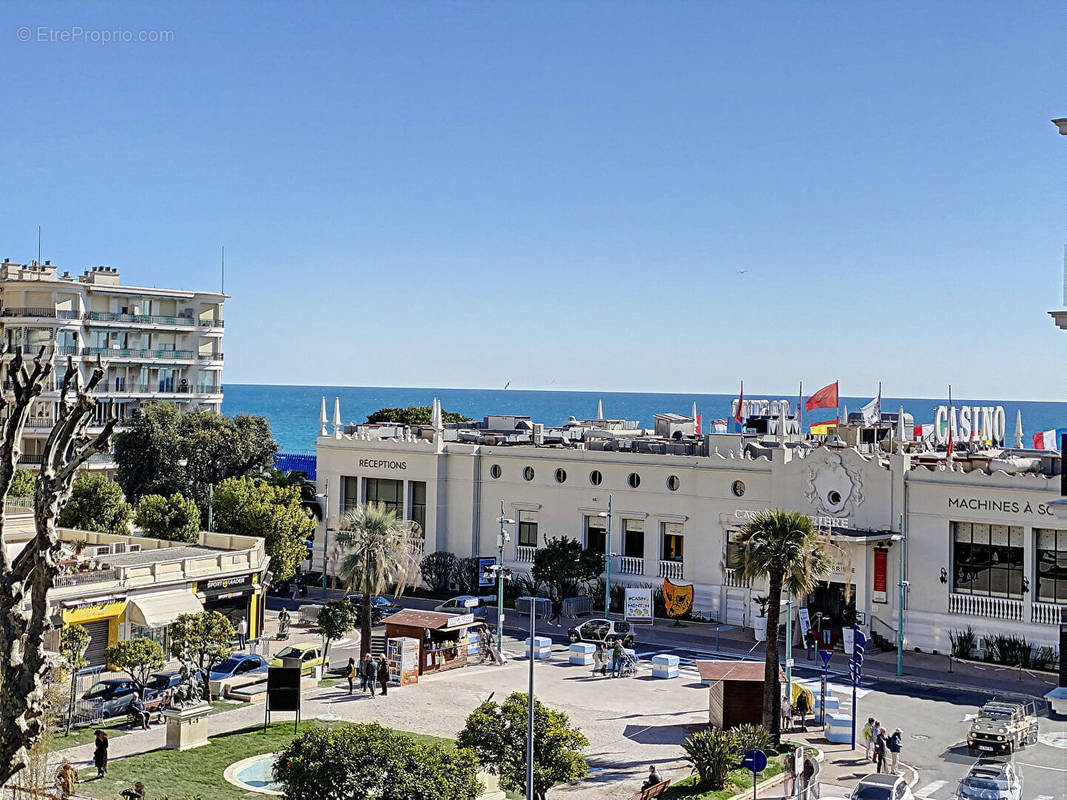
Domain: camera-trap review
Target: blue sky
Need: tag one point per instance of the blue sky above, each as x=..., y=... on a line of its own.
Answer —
x=612, y=196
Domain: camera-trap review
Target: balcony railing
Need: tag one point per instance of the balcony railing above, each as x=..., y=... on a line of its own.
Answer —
x=212, y=323
x=94, y=576
x=524, y=554
x=43, y=312
x=671, y=569
x=732, y=577
x=1046, y=613
x=136, y=387
x=112, y=352
x=210, y=356
x=630, y=565
x=31, y=458
x=107, y=316
x=976, y=605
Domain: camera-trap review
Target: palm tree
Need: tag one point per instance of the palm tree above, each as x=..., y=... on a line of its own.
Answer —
x=784, y=547
x=380, y=554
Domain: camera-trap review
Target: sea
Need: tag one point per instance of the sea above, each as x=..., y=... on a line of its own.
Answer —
x=293, y=411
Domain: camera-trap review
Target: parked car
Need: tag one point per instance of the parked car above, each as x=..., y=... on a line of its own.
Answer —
x=607, y=631
x=881, y=786
x=111, y=697
x=380, y=607
x=310, y=655
x=160, y=682
x=464, y=604
x=238, y=664
x=991, y=780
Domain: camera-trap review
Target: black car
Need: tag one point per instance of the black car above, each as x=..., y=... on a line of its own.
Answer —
x=110, y=698
x=380, y=607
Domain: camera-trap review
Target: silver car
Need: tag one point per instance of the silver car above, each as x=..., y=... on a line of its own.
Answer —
x=991, y=780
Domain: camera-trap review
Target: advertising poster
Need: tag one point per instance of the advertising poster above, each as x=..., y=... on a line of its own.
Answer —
x=638, y=605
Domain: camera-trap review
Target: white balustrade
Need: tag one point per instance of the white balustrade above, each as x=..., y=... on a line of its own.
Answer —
x=1046, y=613
x=524, y=554
x=976, y=605
x=671, y=570
x=630, y=565
x=732, y=577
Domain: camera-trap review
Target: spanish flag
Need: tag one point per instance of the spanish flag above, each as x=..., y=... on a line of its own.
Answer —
x=822, y=428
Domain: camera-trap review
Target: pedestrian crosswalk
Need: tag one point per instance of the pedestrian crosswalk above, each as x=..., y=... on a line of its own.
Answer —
x=936, y=790
x=929, y=790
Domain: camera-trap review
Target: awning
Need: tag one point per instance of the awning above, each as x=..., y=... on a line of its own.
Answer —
x=162, y=608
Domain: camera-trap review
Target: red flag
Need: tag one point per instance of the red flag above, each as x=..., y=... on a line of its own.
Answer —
x=826, y=397
x=949, y=454
x=740, y=401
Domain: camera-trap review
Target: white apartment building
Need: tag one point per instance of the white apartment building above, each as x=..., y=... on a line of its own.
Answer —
x=157, y=344
x=982, y=546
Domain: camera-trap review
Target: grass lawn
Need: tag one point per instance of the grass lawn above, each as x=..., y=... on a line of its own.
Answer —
x=738, y=781
x=199, y=772
x=115, y=727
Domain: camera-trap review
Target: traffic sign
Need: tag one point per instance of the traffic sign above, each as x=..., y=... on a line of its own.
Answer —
x=755, y=760
x=826, y=655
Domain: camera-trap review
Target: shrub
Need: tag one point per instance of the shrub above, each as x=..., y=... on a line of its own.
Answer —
x=1045, y=658
x=437, y=570
x=175, y=518
x=751, y=737
x=1011, y=651
x=963, y=643
x=22, y=483
x=713, y=754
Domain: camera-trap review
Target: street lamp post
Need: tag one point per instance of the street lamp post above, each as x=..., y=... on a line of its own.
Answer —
x=530, y=707
x=902, y=587
x=788, y=644
x=502, y=537
x=325, y=531
x=607, y=562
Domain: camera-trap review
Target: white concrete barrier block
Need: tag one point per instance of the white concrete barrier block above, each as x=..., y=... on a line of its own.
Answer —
x=665, y=660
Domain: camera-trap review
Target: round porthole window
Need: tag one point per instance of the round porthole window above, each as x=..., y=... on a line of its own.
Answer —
x=739, y=488
x=673, y=483
x=834, y=497
x=527, y=473
x=595, y=477
x=634, y=480
x=561, y=476
x=494, y=471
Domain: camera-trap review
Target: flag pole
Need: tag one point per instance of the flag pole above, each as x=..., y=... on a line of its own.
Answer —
x=800, y=406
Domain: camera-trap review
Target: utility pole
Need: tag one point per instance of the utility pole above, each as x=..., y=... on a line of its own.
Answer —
x=530, y=707
x=607, y=566
x=325, y=532
x=788, y=642
x=502, y=537
x=902, y=586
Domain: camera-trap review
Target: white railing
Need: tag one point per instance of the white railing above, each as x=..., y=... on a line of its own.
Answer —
x=976, y=605
x=732, y=577
x=670, y=569
x=524, y=554
x=629, y=565
x=1046, y=613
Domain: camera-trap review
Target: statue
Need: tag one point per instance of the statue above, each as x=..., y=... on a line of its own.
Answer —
x=190, y=688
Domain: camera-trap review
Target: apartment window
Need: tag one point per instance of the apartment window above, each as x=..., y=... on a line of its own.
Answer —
x=418, y=503
x=595, y=477
x=561, y=476
x=673, y=549
x=527, y=473
x=987, y=559
x=494, y=471
x=388, y=492
x=673, y=483
x=527, y=529
x=1051, y=565
x=595, y=534
x=633, y=538
x=349, y=493
x=634, y=480
x=733, y=549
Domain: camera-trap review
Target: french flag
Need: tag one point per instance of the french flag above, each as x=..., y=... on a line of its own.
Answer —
x=1048, y=440
x=920, y=432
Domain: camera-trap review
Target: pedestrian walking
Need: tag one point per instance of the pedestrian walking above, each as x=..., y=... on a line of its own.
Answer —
x=350, y=673
x=880, y=748
x=242, y=633
x=283, y=624
x=790, y=772
x=807, y=775
x=557, y=612
x=787, y=714
x=66, y=778
x=295, y=591
x=618, y=655
x=876, y=729
x=868, y=736
x=368, y=672
x=895, y=742
x=100, y=753
x=802, y=707
x=383, y=675
x=603, y=658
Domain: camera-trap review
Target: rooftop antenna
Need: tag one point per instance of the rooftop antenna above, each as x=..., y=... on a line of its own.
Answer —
x=39, y=247
x=222, y=289
x=1065, y=274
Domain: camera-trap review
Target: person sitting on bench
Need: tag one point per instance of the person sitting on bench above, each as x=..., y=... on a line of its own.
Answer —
x=138, y=711
x=652, y=779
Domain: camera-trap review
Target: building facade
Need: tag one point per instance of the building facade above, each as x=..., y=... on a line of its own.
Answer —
x=156, y=344
x=981, y=545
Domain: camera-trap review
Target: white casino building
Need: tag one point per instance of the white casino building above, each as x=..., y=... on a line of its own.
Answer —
x=982, y=547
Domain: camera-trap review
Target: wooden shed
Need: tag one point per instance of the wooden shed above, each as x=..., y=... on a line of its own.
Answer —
x=446, y=641
x=736, y=691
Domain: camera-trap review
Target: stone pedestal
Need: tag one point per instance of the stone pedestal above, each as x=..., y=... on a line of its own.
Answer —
x=187, y=727
x=491, y=783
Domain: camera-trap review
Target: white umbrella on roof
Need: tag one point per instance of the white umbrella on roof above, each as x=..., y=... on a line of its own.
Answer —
x=337, y=417
x=600, y=409
x=323, y=418
x=1018, y=429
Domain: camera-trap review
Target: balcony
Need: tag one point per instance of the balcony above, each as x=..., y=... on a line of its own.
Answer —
x=82, y=578
x=732, y=577
x=147, y=319
x=39, y=313
x=629, y=565
x=1046, y=613
x=212, y=323
x=671, y=570
x=209, y=356
x=524, y=554
x=112, y=352
x=976, y=605
x=136, y=387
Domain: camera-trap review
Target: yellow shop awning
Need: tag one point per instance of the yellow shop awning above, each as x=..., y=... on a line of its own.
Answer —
x=162, y=608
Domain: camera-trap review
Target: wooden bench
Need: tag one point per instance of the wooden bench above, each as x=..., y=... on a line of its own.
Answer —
x=652, y=791
x=153, y=707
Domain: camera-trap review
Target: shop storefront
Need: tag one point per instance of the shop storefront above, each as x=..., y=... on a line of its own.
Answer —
x=100, y=616
x=149, y=616
x=446, y=641
x=235, y=598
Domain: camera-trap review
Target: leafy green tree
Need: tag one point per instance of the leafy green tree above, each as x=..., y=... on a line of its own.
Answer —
x=497, y=735
x=336, y=618
x=784, y=548
x=438, y=570
x=138, y=658
x=413, y=415
x=73, y=641
x=148, y=452
x=175, y=518
x=22, y=483
x=713, y=754
x=363, y=761
x=565, y=567
x=251, y=507
x=297, y=478
x=96, y=504
x=204, y=639
x=217, y=447
x=380, y=554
